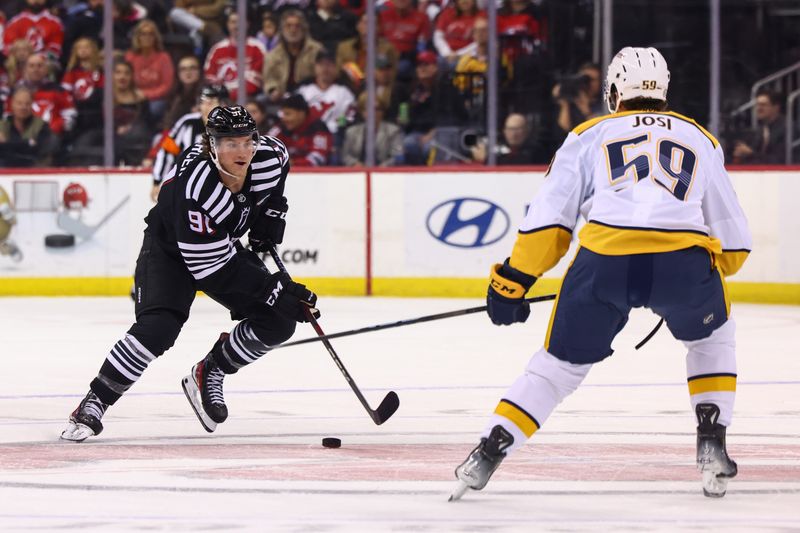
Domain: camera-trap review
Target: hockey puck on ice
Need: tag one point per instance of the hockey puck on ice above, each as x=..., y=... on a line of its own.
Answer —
x=331, y=442
x=58, y=240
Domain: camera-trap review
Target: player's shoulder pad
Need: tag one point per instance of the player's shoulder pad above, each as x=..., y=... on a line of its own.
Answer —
x=270, y=145
x=204, y=187
x=691, y=121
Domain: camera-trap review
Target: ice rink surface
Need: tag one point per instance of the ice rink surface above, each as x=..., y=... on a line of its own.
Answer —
x=618, y=455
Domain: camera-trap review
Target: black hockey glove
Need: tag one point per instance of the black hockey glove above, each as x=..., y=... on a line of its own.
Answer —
x=269, y=225
x=505, y=299
x=289, y=298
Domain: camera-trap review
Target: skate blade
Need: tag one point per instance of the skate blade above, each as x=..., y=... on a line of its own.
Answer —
x=713, y=485
x=76, y=432
x=459, y=491
x=193, y=395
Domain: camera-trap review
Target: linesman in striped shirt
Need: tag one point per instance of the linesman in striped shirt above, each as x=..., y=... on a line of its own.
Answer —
x=229, y=185
x=187, y=131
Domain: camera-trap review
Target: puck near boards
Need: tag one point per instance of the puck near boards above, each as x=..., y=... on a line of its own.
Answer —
x=331, y=442
x=59, y=240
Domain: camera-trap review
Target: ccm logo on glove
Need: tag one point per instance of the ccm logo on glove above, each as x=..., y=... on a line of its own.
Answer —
x=290, y=299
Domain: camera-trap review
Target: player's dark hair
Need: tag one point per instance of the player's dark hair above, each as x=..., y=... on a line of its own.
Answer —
x=644, y=104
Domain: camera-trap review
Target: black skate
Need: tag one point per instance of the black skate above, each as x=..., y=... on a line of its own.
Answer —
x=712, y=457
x=203, y=389
x=84, y=422
x=475, y=471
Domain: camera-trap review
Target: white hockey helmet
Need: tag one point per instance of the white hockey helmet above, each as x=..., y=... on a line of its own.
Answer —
x=636, y=73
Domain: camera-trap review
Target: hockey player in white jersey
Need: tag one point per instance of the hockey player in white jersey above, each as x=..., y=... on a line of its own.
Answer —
x=664, y=229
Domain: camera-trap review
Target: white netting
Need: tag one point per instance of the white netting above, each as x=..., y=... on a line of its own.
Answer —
x=36, y=195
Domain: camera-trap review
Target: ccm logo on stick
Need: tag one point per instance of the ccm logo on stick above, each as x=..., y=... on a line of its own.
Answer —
x=468, y=222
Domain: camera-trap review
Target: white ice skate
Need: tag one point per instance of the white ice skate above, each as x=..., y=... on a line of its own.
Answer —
x=84, y=422
x=712, y=457
x=475, y=471
x=203, y=389
x=77, y=432
x=192, y=393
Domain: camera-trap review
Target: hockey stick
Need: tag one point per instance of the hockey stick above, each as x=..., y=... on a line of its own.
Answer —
x=650, y=335
x=390, y=402
x=401, y=323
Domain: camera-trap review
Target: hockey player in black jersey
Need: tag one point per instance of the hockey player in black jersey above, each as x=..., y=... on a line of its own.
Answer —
x=230, y=184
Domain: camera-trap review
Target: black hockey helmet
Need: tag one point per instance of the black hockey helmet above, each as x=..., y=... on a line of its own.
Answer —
x=215, y=90
x=231, y=121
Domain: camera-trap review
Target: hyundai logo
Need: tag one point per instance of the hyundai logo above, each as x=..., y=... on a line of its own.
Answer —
x=467, y=222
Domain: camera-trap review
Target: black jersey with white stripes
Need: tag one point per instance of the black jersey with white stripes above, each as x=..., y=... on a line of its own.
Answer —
x=198, y=220
x=188, y=130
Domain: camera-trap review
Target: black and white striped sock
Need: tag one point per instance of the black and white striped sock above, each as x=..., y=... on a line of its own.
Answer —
x=130, y=358
x=242, y=346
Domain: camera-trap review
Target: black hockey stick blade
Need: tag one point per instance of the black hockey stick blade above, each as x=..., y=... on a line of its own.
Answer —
x=389, y=404
x=386, y=409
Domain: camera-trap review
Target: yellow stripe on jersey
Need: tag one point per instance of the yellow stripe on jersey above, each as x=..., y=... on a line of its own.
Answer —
x=725, y=293
x=729, y=262
x=525, y=422
x=555, y=305
x=615, y=240
x=580, y=128
x=712, y=383
x=537, y=251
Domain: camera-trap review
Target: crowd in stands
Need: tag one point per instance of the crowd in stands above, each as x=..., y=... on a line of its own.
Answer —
x=305, y=65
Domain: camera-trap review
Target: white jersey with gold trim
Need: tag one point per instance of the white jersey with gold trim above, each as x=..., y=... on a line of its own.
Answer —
x=645, y=182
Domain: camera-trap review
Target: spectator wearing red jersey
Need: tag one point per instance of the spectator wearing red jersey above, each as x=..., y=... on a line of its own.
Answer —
x=153, y=71
x=408, y=30
x=36, y=24
x=453, y=34
x=306, y=137
x=50, y=102
x=221, y=63
x=330, y=101
x=292, y=61
x=83, y=80
x=520, y=31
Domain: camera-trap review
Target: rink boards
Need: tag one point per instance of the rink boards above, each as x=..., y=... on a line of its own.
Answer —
x=392, y=233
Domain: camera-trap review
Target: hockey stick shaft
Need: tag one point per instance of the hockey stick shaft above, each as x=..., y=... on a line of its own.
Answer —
x=390, y=402
x=409, y=322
